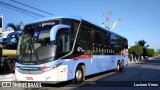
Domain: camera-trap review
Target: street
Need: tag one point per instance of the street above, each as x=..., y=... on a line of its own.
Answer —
x=143, y=72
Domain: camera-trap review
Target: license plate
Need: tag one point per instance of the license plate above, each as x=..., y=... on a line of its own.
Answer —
x=29, y=78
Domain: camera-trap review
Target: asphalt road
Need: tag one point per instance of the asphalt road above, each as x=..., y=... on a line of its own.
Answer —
x=135, y=76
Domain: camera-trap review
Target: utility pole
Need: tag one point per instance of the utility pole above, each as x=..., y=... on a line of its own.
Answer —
x=107, y=15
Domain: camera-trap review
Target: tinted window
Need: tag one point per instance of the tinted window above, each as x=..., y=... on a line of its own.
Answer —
x=86, y=34
x=107, y=39
x=74, y=26
x=99, y=37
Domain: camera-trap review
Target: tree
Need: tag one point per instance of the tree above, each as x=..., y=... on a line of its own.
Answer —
x=150, y=52
x=136, y=50
x=15, y=27
x=142, y=43
x=12, y=38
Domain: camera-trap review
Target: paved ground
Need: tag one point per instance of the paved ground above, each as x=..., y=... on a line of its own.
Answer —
x=134, y=73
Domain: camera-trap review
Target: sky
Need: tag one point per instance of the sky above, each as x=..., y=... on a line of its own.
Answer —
x=140, y=18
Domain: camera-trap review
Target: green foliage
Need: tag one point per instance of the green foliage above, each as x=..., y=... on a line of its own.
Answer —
x=15, y=27
x=142, y=43
x=140, y=49
x=136, y=50
x=145, y=52
x=150, y=52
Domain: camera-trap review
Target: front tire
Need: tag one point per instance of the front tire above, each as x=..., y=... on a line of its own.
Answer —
x=79, y=75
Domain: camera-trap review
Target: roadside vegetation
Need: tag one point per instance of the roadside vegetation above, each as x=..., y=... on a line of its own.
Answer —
x=157, y=54
x=141, y=51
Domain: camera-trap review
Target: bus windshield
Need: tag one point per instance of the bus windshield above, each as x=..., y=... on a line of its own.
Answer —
x=35, y=46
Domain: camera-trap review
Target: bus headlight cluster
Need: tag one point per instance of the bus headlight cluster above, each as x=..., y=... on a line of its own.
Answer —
x=45, y=68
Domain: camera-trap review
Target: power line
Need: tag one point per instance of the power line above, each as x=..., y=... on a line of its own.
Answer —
x=141, y=26
x=18, y=11
x=32, y=7
x=15, y=7
x=26, y=11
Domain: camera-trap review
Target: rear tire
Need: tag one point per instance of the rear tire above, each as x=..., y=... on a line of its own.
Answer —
x=122, y=65
x=119, y=67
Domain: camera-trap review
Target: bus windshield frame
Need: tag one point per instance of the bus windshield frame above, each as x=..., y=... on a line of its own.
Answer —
x=35, y=46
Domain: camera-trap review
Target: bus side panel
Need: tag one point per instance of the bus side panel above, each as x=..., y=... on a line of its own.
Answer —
x=102, y=63
x=126, y=60
x=96, y=64
x=93, y=65
x=72, y=65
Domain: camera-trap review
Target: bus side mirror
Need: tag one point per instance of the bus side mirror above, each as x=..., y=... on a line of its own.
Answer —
x=55, y=29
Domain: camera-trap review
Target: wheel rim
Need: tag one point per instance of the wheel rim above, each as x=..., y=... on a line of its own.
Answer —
x=118, y=66
x=79, y=75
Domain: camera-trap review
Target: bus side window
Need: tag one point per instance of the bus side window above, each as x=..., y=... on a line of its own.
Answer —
x=86, y=40
x=63, y=42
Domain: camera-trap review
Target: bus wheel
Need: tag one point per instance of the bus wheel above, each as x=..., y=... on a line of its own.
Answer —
x=79, y=75
x=122, y=65
x=118, y=67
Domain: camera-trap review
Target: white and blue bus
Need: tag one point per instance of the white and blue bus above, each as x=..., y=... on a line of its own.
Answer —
x=65, y=48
